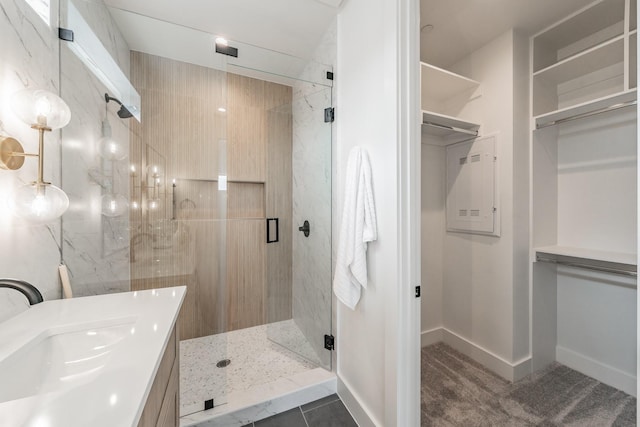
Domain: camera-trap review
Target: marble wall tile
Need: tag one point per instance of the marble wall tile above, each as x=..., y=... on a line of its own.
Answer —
x=312, y=201
x=31, y=57
x=28, y=59
x=95, y=247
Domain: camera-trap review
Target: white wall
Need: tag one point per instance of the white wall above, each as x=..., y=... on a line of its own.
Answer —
x=432, y=239
x=478, y=287
x=597, y=198
x=368, y=114
x=484, y=287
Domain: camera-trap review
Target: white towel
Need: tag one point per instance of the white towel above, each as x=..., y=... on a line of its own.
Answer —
x=357, y=228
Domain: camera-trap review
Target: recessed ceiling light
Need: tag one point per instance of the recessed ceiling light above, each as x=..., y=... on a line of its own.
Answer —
x=222, y=109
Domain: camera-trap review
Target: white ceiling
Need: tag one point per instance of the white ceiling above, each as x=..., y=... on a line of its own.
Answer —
x=462, y=26
x=294, y=27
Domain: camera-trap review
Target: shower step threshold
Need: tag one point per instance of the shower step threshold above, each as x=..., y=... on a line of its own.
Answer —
x=265, y=400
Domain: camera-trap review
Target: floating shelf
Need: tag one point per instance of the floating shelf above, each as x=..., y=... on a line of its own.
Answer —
x=605, y=261
x=586, y=108
x=451, y=129
x=440, y=85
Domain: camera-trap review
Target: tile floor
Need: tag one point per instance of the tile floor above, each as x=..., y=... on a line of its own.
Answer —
x=326, y=412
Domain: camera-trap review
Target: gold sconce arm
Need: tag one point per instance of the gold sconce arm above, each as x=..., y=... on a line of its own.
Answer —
x=11, y=154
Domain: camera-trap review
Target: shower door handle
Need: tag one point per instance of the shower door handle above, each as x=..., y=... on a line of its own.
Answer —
x=273, y=230
x=305, y=228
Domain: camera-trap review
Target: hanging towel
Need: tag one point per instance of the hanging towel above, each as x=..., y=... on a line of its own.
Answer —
x=358, y=227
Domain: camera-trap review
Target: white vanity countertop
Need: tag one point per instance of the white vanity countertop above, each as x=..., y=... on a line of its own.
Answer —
x=85, y=361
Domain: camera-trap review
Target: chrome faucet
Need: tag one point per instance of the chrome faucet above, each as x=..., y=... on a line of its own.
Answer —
x=134, y=241
x=27, y=289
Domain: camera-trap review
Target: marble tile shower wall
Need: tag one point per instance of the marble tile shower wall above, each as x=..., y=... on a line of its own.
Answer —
x=30, y=58
x=312, y=179
x=95, y=248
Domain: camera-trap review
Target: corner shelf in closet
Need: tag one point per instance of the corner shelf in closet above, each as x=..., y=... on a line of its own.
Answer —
x=606, y=261
x=438, y=88
x=439, y=85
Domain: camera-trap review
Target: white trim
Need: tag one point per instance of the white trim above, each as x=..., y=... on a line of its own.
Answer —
x=511, y=371
x=604, y=373
x=432, y=336
x=408, y=145
x=352, y=401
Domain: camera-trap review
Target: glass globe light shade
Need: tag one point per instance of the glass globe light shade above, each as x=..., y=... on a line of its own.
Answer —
x=110, y=149
x=42, y=108
x=39, y=203
x=114, y=205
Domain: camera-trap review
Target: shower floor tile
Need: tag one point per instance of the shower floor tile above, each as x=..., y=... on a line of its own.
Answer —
x=255, y=360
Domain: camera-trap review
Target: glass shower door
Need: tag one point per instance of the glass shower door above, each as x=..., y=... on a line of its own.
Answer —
x=299, y=208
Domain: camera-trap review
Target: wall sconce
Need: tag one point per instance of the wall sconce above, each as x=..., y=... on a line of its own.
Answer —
x=39, y=202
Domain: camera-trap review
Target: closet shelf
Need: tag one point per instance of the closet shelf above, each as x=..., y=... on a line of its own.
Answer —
x=585, y=108
x=440, y=85
x=593, y=59
x=450, y=128
x=612, y=262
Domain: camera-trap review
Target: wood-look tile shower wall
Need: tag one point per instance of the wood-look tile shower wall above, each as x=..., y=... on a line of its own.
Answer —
x=234, y=279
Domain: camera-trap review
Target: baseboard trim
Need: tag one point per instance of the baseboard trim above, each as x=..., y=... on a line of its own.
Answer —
x=431, y=336
x=600, y=371
x=507, y=370
x=351, y=401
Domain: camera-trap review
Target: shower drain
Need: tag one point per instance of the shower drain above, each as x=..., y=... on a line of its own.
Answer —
x=223, y=363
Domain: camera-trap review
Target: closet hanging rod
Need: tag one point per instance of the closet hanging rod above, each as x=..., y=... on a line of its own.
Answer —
x=587, y=114
x=611, y=270
x=452, y=128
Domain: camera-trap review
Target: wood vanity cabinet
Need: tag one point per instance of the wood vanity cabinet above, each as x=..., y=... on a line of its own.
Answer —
x=163, y=406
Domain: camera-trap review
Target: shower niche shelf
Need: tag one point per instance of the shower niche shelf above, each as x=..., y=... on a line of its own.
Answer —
x=444, y=93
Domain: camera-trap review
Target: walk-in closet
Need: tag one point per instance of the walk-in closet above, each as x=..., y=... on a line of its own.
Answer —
x=529, y=208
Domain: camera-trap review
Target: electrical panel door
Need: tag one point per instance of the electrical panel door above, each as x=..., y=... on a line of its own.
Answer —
x=471, y=186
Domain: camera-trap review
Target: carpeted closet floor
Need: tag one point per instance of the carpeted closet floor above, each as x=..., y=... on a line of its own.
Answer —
x=456, y=391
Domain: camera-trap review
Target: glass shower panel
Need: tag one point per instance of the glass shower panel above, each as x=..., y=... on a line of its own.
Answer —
x=184, y=210
x=95, y=153
x=298, y=200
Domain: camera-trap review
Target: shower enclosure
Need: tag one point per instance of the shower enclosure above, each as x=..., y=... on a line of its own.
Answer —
x=224, y=186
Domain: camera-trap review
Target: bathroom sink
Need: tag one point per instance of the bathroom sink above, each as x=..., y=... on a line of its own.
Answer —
x=59, y=359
